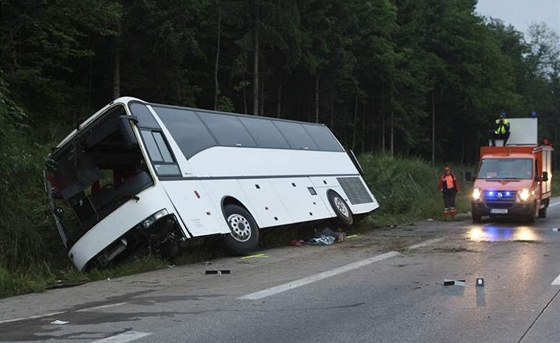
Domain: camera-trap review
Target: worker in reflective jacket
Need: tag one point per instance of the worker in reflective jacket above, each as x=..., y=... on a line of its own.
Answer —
x=501, y=130
x=449, y=187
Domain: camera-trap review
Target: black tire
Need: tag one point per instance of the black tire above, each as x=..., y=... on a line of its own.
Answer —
x=531, y=217
x=542, y=211
x=476, y=217
x=244, y=235
x=344, y=215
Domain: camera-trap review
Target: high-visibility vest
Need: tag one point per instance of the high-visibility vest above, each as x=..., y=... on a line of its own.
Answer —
x=502, y=127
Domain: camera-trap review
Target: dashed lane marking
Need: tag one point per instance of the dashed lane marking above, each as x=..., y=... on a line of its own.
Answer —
x=124, y=337
x=323, y=275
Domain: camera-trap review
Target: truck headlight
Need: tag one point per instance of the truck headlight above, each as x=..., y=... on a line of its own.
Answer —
x=476, y=193
x=524, y=195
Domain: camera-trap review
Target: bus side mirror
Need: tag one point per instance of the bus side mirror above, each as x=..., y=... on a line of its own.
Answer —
x=544, y=176
x=126, y=131
x=468, y=176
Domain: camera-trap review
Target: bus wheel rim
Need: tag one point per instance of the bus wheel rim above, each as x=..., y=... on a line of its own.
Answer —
x=340, y=206
x=240, y=227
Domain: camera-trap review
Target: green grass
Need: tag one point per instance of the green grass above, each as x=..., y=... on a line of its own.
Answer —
x=406, y=189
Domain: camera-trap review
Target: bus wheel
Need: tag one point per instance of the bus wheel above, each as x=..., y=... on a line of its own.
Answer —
x=343, y=213
x=244, y=234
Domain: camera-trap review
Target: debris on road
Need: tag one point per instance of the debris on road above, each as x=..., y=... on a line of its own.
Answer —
x=217, y=272
x=297, y=242
x=454, y=282
x=253, y=256
x=321, y=240
x=480, y=282
x=59, y=322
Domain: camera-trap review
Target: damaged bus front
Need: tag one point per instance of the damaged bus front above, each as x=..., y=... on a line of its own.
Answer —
x=102, y=193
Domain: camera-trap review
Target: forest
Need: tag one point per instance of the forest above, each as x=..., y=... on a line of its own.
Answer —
x=413, y=78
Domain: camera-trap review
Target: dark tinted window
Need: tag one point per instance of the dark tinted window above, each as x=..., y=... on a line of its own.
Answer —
x=187, y=130
x=323, y=137
x=227, y=130
x=145, y=117
x=295, y=134
x=165, y=153
x=265, y=133
x=151, y=146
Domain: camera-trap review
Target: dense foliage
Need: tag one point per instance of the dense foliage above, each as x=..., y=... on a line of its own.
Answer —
x=383, y=74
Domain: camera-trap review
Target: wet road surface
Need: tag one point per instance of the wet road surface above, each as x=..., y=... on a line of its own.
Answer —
x=384, y=286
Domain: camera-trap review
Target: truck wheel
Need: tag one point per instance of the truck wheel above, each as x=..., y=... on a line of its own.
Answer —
x=476, y=217
x=244, y=234
x=343, y=213
x=542, y=211
x=532, y=215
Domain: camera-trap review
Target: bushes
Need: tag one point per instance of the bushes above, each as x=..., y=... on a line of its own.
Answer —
x=406, y=189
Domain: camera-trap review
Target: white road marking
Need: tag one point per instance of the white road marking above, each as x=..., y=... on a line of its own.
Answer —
x=320, y=276
x=554, y=204
x=31, y=317
x=556, y=281
x=100, y=307
x=57, y=313
x=425, y=243
x=313, y=278
x=124, y=337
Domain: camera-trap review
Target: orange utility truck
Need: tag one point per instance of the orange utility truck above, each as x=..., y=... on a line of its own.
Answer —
x=514, y=180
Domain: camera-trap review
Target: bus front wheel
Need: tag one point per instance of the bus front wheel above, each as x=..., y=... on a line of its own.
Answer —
x=343, y=212
x=244, y=234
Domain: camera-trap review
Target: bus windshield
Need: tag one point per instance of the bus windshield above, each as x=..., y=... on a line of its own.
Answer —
x=94, y=173
x=502, y=168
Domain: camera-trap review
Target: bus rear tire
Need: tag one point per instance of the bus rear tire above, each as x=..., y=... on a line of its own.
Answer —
x=244, y=235
x=343, y=213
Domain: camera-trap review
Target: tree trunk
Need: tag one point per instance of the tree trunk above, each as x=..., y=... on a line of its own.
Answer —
x=332, y=113
x=392, y=133
x=256, y=61
x=355, y=123
x=217, y=64
x=261, y=101
x=244, y=98
x=116, y=64
x=279, y=98
x=364, y=128
x=317, y=98
x=433, y=128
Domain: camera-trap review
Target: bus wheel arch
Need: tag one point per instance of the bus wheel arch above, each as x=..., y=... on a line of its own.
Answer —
x=244, y=235
x=344, y=216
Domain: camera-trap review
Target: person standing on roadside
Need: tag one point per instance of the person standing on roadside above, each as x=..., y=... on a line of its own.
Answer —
x=449, y=187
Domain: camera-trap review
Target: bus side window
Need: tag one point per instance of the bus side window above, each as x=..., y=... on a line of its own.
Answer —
x=158, y=150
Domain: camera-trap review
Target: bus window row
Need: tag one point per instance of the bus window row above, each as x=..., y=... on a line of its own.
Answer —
x=195, y=131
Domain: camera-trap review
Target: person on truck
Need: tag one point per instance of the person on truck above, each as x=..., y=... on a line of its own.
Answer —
x=449, y=188
x=501, y=129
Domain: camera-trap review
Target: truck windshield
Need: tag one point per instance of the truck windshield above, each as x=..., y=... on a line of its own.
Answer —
x=93, y=174
x=502, y=168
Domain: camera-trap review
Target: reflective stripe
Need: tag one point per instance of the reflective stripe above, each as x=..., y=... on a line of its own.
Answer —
x=502, y=128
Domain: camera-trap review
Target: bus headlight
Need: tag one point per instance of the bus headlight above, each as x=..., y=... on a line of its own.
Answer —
x=524, y=195
x=153, y=218
x=476, y=193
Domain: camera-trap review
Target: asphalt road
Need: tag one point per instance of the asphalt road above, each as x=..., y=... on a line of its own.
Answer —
x=384, y=286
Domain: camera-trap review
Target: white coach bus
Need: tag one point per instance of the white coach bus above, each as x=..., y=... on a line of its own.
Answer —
x=140, y=174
